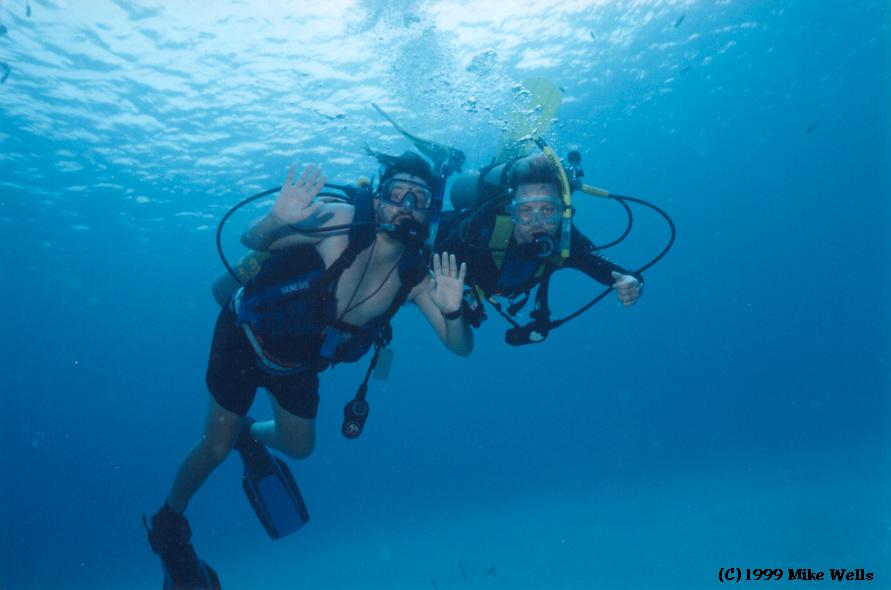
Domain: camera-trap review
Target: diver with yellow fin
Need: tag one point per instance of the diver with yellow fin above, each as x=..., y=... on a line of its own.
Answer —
x=520, y=232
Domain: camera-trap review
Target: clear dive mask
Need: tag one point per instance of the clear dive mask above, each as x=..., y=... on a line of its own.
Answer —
x=541, y=210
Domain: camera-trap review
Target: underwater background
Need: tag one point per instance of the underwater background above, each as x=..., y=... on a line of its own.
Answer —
x=737, y=416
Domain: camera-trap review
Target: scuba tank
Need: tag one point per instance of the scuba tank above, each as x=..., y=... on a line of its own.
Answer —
x=472, y=189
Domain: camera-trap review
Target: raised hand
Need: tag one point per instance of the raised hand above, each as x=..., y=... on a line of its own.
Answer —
x=294, y=203
x=447, y=287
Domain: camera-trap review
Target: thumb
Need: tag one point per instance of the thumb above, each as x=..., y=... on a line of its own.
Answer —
x=312, y=208
x=617, y=276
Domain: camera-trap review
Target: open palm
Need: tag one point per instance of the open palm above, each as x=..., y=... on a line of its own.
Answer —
x=447, y=287
x=294, y=203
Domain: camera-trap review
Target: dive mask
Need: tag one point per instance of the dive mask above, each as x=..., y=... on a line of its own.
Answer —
x=543, y=210
x=407, y=194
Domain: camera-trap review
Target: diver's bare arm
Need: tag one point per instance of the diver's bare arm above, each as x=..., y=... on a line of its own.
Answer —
x=264, y=231
x=328, y=215
x=454, y=333
x=295, y=207
x=458, y=336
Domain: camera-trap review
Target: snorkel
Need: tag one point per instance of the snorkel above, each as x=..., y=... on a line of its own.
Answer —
x=566, y=223
x=446, y=161
x=445, y=170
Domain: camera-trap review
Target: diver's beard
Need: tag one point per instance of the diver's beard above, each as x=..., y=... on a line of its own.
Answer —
x=402, y=226
x=400, y=217
x=406, y=229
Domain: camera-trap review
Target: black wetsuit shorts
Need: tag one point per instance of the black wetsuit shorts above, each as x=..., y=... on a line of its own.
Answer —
x=234, y=374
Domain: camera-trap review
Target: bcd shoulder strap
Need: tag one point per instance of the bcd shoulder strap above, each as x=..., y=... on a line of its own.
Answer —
x=360, y=237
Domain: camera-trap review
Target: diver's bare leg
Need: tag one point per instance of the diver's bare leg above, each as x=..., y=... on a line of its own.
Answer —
x=290, y=434
x=220, y=431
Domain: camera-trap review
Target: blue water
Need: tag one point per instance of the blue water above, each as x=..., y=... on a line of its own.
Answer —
x=738, y=416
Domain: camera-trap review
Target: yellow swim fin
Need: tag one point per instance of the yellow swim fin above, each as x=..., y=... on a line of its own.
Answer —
x=531, y=122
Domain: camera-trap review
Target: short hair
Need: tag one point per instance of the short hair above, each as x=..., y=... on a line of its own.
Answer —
x=534, y=169
x=409, y=163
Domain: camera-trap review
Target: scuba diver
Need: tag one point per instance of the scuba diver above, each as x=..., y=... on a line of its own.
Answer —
x=512, y=222
x=510, y=225
x=334, y=276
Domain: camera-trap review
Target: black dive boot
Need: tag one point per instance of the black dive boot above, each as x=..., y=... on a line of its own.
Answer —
x=170, y=537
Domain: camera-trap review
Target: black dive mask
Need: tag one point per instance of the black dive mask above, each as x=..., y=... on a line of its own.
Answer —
x=407, y=194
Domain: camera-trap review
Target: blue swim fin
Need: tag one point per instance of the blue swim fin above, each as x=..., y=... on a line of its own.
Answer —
x=270, y=487
x=170, y=538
